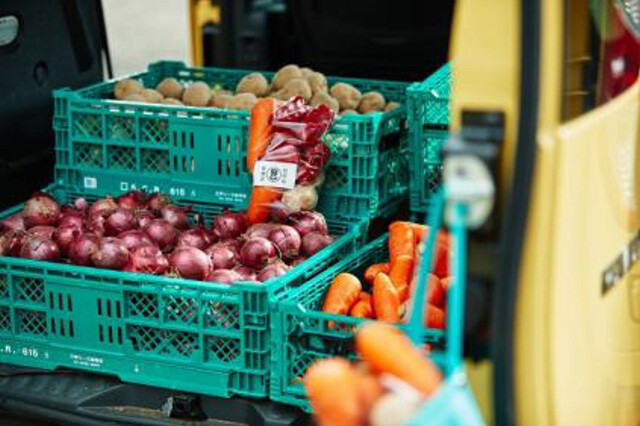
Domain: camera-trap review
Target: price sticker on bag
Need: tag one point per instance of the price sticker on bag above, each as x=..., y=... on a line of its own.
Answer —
x=275, y=174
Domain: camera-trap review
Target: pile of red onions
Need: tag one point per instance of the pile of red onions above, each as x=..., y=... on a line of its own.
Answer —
x=147, y=234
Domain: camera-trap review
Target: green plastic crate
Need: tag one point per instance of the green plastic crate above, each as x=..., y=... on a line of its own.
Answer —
x=181, y=334
x=199, y=154
x=428, y=115
x=301, y=333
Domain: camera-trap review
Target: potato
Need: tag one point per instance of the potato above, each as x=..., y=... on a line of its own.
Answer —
x=171, y=101
x=348, y=96
x=127, y=86
x=255, y=83
x=349, y=112
x=371, y=102
x=301, y=197
x=170, y=88
x=220, y=100
x=134, y=97
x=223, y=92
x=284, y=75
x=151, y=96
x=391, y=106
x=295, y=87
x=391, y=409
x=323, y=98
x=197, y=94
x=318, y=82
x=242, y=101
x=306, y=72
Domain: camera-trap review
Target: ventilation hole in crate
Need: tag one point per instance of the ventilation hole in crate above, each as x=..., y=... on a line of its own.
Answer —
x=121, y=158
x=4, y=287
x=164, y=342
x=87, y=125
x=299, y=365
x=335, y=177
x=223, y=349
x=121, y=128
x=223, y=315
x=87, y=155
x=5, y=319
x=338, y=144
x=155, y=130
x=143, y=305
x=32, y=322
x=29, y=289
x=181, y=309
x=101, y=333
x=154, y=161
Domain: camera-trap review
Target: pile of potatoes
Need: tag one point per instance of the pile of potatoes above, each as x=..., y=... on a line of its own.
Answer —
x=288, y=82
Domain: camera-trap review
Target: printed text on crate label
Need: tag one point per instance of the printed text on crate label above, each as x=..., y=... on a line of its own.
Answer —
x=275, y=174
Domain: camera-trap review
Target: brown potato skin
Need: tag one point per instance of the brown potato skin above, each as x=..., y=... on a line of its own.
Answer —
x=371, y=102
x=318, y=82
x=152, y=96
x=348, y=96
x=255, y=83
x=127, y=86
x=391, y=106
x=242, y=101
x=323, y=98
x=197, y=94
x=170, y=88
x=284, y=75
x=134, y=97
x=171, y=101
x=295, y=87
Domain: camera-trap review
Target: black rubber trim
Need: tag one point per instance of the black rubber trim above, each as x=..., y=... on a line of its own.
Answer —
x=515, y=218
x=104, y=41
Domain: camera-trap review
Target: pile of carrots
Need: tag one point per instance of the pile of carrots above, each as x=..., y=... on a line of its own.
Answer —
x=387, y=286
x=389, y=385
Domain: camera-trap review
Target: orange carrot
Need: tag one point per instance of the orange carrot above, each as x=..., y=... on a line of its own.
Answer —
x=387, y=350
x=371, y=272
x=435, y=317
x=363, y=308
x=343, y=293
x=334, y=393
x=441, y=261
x=386, y=301
x=262, y=197
x=370, y=390
x=401, y=240
x=436, y=292
x=260, y=131
x=419, y=231
x=446, y=283
x=400, y=274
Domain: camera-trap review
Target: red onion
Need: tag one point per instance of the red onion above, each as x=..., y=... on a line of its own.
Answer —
x=96, y=223
x=147, y=259
x=191, y=263
x=65, y=235
x=224, y=276
x=73, y=218
x=272, y=270
x=81, y=204
x=230, y=225
x=39, y=248
x=104, y=205
x=45, y=232
x=144, y=217
x=132, y=200
x=83, y=247
x=13, y=242
x=313, y=242
x=197, y=237
x=308, y=221
x=15, y=222
x=119, y=220
x=298, y=260
x=247, y=274
x=222, y=256
x=157, y=201
x=259, y=230
x=279, y=212
x=257, y=252
x=234, y=245
x=41, y=209
x=111, y=254
x=134, y=238
x=287, y=241
x=161, y=233
x=176, y=216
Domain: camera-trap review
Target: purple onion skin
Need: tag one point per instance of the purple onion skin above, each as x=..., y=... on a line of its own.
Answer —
x=39, y=248
x=191, y=263
x=287, y=240
x=224, y=276
x=257, y=252
x=111, y=254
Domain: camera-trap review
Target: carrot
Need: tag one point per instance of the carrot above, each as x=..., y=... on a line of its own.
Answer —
x=446, y=283
x=419, y=231
x=343, y=293
x=400, y=274
x=387, y=350
x=386, y=301
x=334, y=393
x=363, y=308
x=370, y=390
x=441, y=261
x=435, y=317
x=371, y=272
x=401, y=240
x=260, y=131
x=262, y=197
x=436, y=292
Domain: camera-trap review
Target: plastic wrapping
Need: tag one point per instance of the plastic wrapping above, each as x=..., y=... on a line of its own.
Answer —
x=287, y=156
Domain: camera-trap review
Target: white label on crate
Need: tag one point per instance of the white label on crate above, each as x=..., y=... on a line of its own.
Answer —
x=275, y=174
x=90, y=182
x=86, y=360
